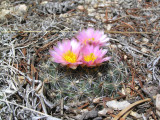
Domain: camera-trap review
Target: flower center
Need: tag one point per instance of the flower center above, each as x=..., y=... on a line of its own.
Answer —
x=70, y=56
x=90, y=39
x=90, y=57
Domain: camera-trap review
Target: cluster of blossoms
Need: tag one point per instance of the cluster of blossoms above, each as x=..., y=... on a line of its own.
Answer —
x=85, y=51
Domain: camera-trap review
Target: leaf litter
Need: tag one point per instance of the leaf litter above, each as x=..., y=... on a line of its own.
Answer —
x=33, y=87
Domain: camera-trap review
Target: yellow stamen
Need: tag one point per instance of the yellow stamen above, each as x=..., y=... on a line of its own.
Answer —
x=90, y=39
x=70, y=56
x=90, y=57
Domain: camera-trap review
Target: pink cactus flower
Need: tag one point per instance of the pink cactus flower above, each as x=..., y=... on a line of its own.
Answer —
x=67, y=53
x=93, y=56
x=93, y=37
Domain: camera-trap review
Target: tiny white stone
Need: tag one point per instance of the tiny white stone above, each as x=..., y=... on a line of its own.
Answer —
x=113, y=46
x=144, y=50
x=109, y=26
x=80, y=7
x=91, y=10
x=117, y=105
x=158, y=104
x=136, y=115
x=119, y=46
x=44, y=2
x=125, y=57
x=96, y=100
x=84, y=110
x=95, y=5
x=4, y=11
x=103, y=112
x=137, y=41
x=22, y=8
x=145, y=40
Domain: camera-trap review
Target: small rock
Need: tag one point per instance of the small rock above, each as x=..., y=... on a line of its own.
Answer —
x=44, y=2
x=90, y=10
x=91, y=14
x=119, y=46
x=109, y=26
x=91, y=114
x=123, y=91
x=105, y=111
x=101, y=5
x=158, y=104
x=90, y=25
x=144, y=50
x=125, y=57
x=84, y=110
x=80, y=7
x=96, y=100
x=149, y=77
x=88, y=1
x=97, y=16
x=145, y=40
x=79, y=117
x=117, y=105
x=95, y=6
x=3, y=13
x=137, y=41
x=22, y=80
x=128, y=90
x=103, y=17
x=22, y=8
x=136, y=115
x=113, y=46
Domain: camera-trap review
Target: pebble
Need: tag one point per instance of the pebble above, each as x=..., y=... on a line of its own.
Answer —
x=17, y=10
x=44, y=2
x=136, y=115
x=97, y=16
x=91, y=14
x=125, y=57
x=113, y=46
x=103, y=112
x=91, y=114
x=4, y=12
x=80, y=7
x=21, y=8
x=96, y=100
x=158, y=104
x=109, y=26
x=119, y=46
x=103, y=17
x=145, y=40
x=144, y=50
x=116, y=105
x=101, y=5
x=95, y=6
x=90, y=10
x=88, y=1
x=84, y=110
x=137, y=41
x=90, y=25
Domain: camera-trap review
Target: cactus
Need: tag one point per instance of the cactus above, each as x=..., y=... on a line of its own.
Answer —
x=84, y=82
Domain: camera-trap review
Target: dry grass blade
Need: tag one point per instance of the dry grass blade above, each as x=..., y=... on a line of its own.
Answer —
x=120, y=114
x=40, y=113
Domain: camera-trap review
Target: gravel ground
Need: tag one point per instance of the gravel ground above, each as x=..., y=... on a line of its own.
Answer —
x=33, y=87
